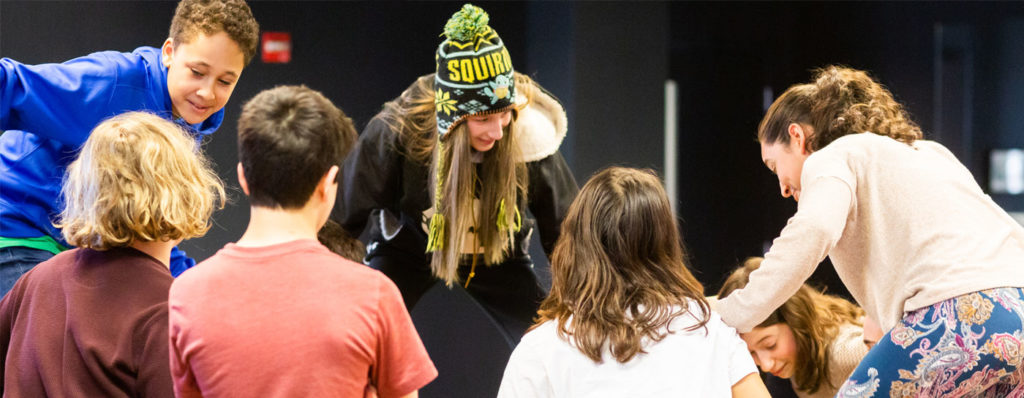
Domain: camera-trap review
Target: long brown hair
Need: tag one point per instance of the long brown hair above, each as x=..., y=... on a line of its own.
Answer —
x=501, y=181
x=840, y=101
x=412, y=117
x=814, y=318
x=618, y=270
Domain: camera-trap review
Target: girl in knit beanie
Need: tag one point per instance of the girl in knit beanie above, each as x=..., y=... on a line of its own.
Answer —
x=444, y=175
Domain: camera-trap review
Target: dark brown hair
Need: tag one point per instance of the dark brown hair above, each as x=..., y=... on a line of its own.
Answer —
x=814, y=318
x=618, y=270
x=209, y=17
x=840, y=101
x=288, y=138
x=337, y=240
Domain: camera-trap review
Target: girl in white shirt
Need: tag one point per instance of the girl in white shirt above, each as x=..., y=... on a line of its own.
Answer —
x=917, y=243
x=624, y=316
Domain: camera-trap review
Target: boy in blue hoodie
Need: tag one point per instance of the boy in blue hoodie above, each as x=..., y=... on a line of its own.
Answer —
x=48, y=110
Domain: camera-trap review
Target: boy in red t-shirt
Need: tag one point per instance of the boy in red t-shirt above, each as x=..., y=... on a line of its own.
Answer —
x=277, y=314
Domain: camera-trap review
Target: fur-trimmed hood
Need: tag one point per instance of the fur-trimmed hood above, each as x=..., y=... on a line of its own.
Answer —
x=541, y=125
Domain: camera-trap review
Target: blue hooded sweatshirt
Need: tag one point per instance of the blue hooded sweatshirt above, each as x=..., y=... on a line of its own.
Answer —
x=47, y=111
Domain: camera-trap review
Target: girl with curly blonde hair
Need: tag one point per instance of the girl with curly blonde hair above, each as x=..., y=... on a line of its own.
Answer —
x=138, y=187
x=916, y=241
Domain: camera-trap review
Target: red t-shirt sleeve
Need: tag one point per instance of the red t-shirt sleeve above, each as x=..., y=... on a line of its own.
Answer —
x=181, y=374
x=403, y=365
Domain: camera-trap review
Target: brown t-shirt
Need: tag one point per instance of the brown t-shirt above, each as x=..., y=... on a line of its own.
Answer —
x=88, y=323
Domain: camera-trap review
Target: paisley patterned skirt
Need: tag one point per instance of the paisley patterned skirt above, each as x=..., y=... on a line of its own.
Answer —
x=966, y=346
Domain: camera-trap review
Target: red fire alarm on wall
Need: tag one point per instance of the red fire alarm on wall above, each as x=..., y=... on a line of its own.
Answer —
x=277, y=47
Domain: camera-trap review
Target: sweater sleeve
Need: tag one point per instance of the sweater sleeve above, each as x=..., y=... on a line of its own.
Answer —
x=180, y=262
x=371, y=177
x=552, y=190
x=845, y=353
x=825, y=203
x=59, y=101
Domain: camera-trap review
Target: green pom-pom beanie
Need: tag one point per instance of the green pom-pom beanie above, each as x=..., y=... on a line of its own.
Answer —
x=467, y=23
x=474, y=71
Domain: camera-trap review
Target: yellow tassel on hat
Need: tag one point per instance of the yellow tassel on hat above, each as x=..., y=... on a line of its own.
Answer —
x=435, y=233
x=503, y=220
x=435, y=237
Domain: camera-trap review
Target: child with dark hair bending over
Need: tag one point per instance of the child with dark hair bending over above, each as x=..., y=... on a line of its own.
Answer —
x=337, y=240
x=624, y=316
x=918, y=244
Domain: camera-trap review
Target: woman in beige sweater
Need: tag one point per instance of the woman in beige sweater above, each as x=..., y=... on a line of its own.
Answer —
x=814, y=340
x=917, y=243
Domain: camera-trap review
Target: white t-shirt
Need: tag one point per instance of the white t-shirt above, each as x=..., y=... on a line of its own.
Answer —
x=683, y=364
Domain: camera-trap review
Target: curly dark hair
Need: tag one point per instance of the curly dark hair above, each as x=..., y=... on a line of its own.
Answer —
x=211, y=16
x=840, y=101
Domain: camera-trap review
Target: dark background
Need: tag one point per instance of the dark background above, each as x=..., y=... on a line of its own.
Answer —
x=957, y=66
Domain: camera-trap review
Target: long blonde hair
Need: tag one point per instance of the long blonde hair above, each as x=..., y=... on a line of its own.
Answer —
x=618, y=270
x=138, y=178
x=840, y=101
x=814, y=318
x=501, y=181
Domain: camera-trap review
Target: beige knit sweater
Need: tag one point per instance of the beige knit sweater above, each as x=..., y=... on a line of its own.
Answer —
x=844, y=355
x=905, y=226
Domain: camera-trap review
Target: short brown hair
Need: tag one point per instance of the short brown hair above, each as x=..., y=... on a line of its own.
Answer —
x=212, y=16
x=288, y=138
x=138, y=178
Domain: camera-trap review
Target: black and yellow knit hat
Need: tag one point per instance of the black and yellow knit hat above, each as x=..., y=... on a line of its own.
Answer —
x=474, y=71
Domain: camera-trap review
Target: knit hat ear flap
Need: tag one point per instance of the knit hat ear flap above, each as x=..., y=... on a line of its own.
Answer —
x=474, y=71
